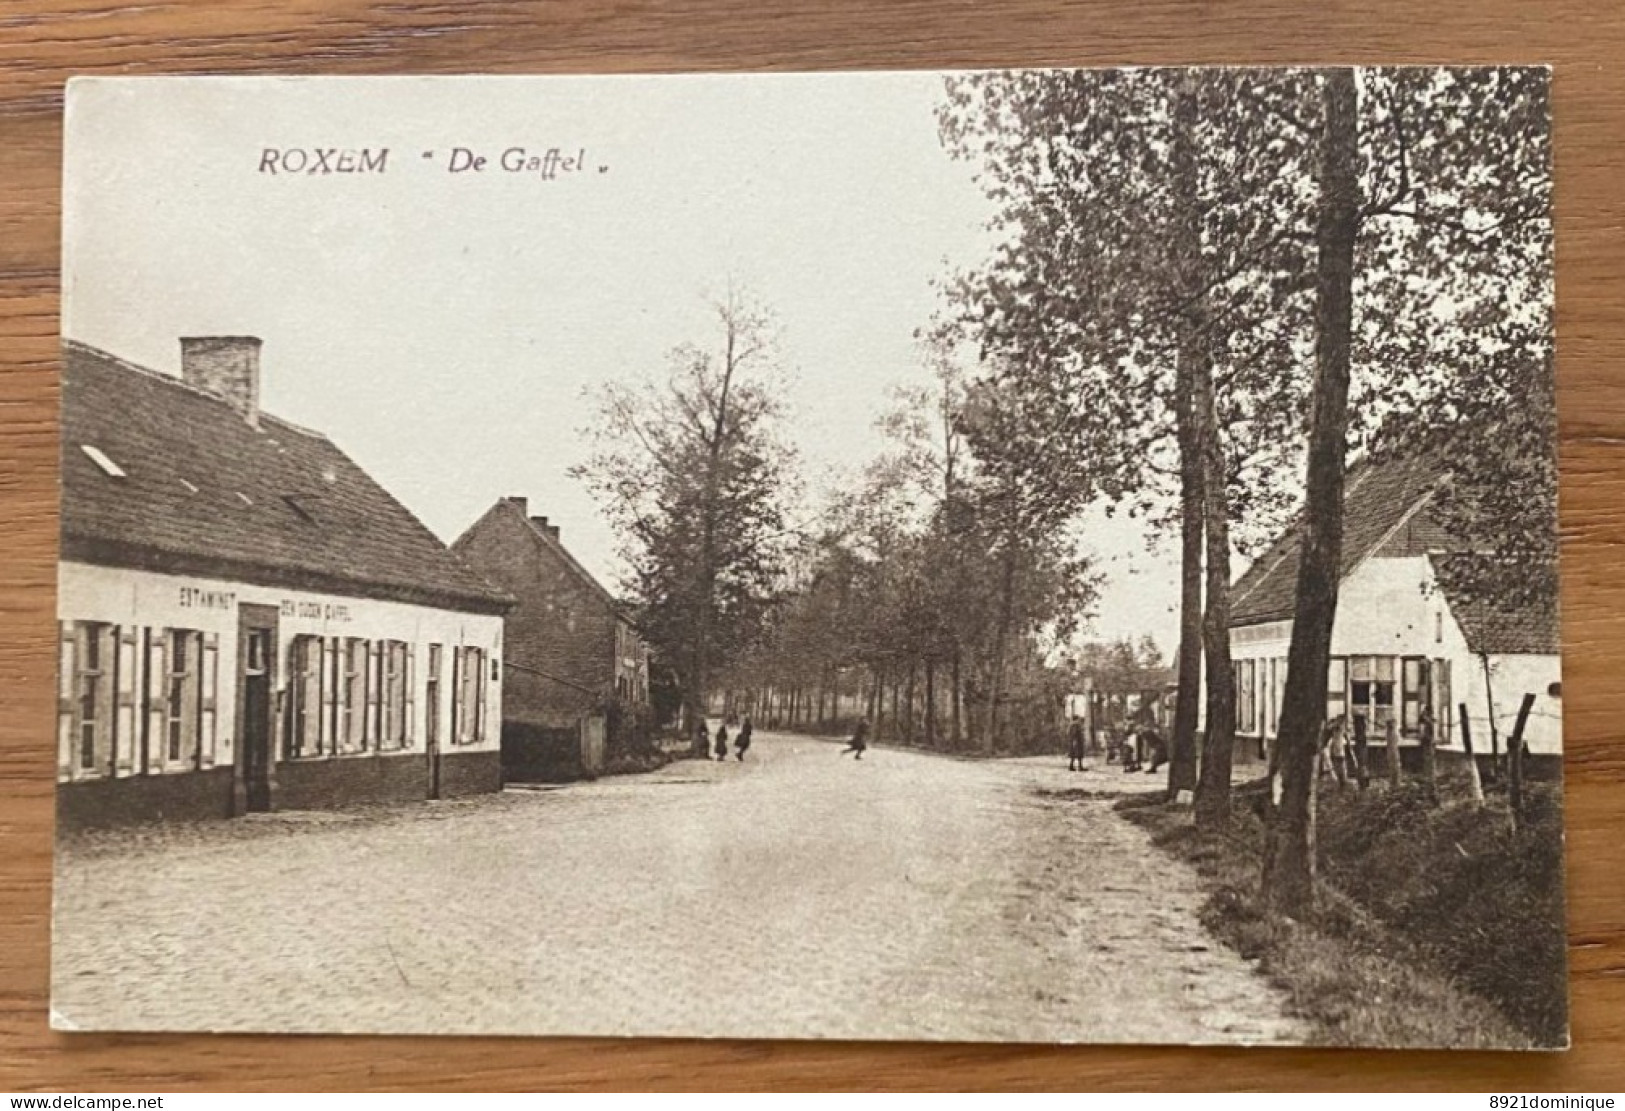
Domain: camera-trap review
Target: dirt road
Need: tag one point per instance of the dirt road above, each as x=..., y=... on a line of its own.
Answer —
x=800, y=894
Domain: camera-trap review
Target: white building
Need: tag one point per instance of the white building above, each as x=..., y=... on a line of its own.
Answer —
x=247, y=620
x=1406, y=634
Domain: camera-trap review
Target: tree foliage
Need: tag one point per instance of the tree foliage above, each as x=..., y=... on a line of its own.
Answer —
x=692, y=468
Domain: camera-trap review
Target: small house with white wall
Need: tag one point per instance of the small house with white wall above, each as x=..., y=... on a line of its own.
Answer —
x=247, y=620
x=1407, y=632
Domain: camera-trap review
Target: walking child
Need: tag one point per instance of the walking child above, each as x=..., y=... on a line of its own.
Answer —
x=859, y=741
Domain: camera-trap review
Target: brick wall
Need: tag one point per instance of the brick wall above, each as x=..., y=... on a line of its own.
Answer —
x=562, y=625
x=463, y=774
x=99, y=803
x=351, y=781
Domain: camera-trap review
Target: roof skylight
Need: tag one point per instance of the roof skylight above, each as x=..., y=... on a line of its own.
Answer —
x=99, y=457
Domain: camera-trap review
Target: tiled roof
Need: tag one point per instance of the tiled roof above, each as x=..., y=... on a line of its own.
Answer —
x=1527, y=628
x=1379, y=498
x=1146, y=679
x=204, y=492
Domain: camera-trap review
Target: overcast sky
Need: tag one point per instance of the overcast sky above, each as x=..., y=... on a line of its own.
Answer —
x=441, y=328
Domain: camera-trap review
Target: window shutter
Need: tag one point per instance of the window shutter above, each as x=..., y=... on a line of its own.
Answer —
x=157, y=700
x=456, y=695
x=67, y=727
x=208, y=725
x=409, y=729
x=475, y=665
x=394, y=702
x=309, y=681
x=124, y=660
x=327, y=654
x=360, y=657
x=375, y=660
x=485, y=687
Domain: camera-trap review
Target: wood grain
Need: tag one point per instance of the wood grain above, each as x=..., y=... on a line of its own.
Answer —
x=43, y=42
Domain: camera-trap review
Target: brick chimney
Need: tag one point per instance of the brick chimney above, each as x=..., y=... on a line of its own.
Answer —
x=541, y=523
x=226, y=366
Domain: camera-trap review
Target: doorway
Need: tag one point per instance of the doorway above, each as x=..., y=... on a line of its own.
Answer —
x=431, y=720
x=256, y=705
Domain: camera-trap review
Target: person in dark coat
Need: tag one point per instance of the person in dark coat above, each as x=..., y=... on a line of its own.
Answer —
x=703, y=735
x=859, y=741
x=1074, y=746
x=742, y=742
x=1156, y=748
x=722, y=742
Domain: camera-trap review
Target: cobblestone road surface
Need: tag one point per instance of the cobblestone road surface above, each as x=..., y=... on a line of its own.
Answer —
x=801, y=894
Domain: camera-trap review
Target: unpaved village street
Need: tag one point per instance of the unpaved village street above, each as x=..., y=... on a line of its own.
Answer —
x=800, y=894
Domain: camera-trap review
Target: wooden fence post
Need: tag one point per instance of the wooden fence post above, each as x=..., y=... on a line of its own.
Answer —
x=1515, y=760
x=1362, y=756
x=1472, y=760
x=1495, y=737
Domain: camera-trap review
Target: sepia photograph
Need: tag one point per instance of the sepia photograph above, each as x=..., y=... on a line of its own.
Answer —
x=1039, y=556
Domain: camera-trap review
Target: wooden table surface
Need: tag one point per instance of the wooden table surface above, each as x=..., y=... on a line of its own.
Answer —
x=43, y=42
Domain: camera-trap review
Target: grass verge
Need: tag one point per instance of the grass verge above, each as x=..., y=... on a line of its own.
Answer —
x=1435, y=926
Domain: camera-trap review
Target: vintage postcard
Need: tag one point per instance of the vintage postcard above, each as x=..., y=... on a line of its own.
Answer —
x=1026, y=556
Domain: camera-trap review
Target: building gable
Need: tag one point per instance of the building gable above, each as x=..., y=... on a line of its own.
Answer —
x=1383, y=509
x=563, y=635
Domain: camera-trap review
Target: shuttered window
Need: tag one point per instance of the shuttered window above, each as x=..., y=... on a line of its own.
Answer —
x=394, y=697
x=181, y=690
x=431, y=699
x=304, y=737
x=93, y=697
x=352, y=709
x=468, y=709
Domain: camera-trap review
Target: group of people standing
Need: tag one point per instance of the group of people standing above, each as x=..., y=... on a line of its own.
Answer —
x=1142, y=744
x=741, y=738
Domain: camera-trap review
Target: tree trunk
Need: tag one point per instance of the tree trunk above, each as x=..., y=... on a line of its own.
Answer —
x=1007, y=605
x=1219, y=734
x=956, y=709
x=908, y=718
x=1289, y=864
x=694, y=702
x=930, y=703
x=1182, y=745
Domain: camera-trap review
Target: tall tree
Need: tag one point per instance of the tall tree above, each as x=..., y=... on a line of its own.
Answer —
x=1442, y=330
x=693, y=474
x=1151, y=228
x=1290, y=862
